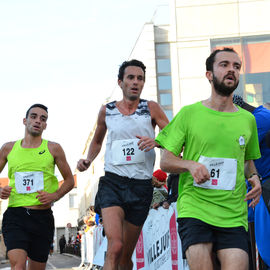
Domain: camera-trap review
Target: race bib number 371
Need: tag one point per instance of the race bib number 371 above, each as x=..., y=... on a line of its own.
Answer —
x=126, y=152
x=29, y=182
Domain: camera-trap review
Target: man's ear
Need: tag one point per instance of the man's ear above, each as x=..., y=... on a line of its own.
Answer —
x=119, y=83
x=209, y=76
x=24, y=121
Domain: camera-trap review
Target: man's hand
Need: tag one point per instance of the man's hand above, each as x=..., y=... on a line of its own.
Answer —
x=165, y=205
x=155, y=206
x=198, y=172
x=83, y=164
x=47, y=198
x=255, y=193
x=146, y=144
x=5, y=192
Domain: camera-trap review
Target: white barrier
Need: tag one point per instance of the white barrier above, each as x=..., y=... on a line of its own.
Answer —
x=159, y=245
x=90, y=243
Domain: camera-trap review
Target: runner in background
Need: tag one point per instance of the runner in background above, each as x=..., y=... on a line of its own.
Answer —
x=125, y=192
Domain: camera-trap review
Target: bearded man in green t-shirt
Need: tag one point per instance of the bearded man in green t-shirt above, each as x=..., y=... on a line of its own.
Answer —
x=220, y=142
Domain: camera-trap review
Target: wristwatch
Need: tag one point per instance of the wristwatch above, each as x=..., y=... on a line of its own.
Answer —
x=260, y=178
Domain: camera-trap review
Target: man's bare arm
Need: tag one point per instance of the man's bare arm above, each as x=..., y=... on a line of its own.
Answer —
x=158, y=118
x=4, y=151
x=251, y=175
x=173, y=164
x=61, y=162
x=96, y=143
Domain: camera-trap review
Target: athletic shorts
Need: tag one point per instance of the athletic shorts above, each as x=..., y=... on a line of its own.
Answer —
x=194, y=231
x=30, y=230
x=134, y=196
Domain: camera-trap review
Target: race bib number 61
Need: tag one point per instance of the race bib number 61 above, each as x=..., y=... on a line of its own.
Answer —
x=222, y=172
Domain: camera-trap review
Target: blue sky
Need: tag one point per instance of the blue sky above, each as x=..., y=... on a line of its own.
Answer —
x=64, y=54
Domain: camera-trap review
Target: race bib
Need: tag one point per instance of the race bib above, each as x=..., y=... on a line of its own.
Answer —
x=222, y=172
x=126, y=152
x=29, y=182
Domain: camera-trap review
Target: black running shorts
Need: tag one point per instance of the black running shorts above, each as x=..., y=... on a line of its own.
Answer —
x=194, y=231
x=134, y=196
x=30, y=230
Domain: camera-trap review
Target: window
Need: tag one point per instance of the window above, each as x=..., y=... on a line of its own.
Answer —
x=164, y=80
x=163, y=66
x=169, y=114
x=73, y=201
x=165, y=99
x=162, y=49
x=254, y=51
x=164, y=83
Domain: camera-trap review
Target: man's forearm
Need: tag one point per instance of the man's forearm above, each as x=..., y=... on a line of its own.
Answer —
x=65, y=188
x=250, y=169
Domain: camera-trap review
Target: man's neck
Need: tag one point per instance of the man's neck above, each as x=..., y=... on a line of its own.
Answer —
x=220, y=103
x=127, y=106
x=30, y=141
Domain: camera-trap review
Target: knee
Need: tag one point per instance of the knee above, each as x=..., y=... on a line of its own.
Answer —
x=19, y=267
x=115, y=248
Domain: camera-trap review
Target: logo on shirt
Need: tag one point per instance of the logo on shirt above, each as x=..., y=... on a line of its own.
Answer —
x=42, y=152
x=242, y=142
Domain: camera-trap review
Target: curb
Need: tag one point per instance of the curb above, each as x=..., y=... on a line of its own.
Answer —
x=71, y=255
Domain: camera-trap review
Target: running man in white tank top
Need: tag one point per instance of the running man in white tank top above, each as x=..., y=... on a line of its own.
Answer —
x=125, y=192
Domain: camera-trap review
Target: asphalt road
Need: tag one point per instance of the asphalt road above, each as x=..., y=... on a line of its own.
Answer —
x=56, y=261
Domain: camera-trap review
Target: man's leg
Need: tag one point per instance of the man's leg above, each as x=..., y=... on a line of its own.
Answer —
x=113, y=218
x=199, y=256
x=233, y=259
x=33, y=265
x=131, y=234
x=17, y=258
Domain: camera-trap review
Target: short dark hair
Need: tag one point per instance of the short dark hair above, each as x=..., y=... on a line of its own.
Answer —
x=211, y=58
x=126, y=64
x=36, y=106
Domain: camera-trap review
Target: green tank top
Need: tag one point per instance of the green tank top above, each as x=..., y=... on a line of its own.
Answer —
x=23, y=160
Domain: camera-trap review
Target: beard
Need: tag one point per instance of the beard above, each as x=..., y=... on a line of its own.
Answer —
x=222, y=89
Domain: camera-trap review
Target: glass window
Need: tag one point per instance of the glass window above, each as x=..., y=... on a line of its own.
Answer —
x=164, y=83
x=162, y=49
x=165, y=99
x=169, y=114
x=254, y=85
x=163, y=66
x=72, y=200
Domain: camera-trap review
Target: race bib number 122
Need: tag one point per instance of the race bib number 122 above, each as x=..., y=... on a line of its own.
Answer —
x=126, y=152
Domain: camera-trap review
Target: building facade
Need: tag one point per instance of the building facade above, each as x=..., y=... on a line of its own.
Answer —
x=175, y=50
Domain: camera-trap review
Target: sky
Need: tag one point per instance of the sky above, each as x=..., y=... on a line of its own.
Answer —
x=64, y=54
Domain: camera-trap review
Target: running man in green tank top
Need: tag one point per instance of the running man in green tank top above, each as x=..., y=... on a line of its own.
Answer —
x=28, y=223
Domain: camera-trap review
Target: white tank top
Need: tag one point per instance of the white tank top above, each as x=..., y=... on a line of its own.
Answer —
x=122, y=156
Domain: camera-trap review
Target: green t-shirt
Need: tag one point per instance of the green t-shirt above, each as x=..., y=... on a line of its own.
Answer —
x=205, y=132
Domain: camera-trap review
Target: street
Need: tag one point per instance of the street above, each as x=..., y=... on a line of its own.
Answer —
x=56, y=261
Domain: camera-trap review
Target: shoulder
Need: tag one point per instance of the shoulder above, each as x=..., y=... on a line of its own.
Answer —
x=189, y=110
x=153, y=106
x=7, y=147
x=54, y=148
x=246, y=114
x=110, y=106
